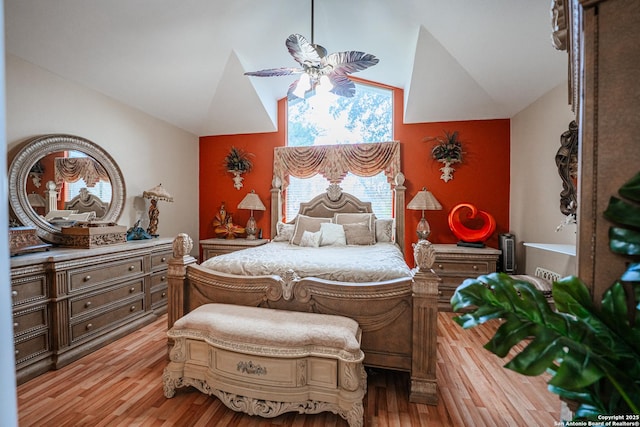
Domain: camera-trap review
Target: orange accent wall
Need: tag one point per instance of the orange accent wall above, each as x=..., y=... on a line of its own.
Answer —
x=482, y=179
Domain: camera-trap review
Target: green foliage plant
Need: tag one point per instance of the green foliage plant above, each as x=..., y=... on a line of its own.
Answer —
x=592, y=352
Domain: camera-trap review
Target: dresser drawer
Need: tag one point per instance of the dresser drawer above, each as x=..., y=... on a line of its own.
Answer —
x=93, y=276
x=461, y=268
x=106, y=320
x=158, y=279
x=29, y=289
x=159, y=296
x=160, y=260
x=96, y=300
x=31, y=346
x=30, y=320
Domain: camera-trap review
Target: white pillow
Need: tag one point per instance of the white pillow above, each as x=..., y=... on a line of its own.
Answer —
x=311, y=240
x=284, y=232
x=332, y=234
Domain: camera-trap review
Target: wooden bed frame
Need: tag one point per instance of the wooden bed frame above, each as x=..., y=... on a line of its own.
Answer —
x=397, y=317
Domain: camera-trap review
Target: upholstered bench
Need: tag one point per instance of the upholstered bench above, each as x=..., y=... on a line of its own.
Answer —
x=266, y=362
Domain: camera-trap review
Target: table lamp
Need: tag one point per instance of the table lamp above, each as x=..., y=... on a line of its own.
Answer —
x=253, y=203
x=424, y=201
x=155, y=194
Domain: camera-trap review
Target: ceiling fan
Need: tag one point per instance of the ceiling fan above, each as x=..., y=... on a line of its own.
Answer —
x=319, y=69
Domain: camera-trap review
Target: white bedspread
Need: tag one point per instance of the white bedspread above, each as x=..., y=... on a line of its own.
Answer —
x=356, y=264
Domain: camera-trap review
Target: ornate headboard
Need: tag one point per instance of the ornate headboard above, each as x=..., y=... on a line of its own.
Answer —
x=334, y=162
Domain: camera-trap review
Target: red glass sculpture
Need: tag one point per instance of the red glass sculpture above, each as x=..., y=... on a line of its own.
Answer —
x=465, y=233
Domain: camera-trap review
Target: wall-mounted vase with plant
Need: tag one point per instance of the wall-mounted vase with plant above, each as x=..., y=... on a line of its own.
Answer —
x=237, y=162
x=447, y=150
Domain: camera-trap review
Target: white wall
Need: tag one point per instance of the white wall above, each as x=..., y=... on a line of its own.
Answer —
x=536, y=184
x=147, y=150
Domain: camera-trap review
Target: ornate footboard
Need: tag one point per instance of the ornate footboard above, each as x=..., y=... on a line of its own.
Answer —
x=397, y=317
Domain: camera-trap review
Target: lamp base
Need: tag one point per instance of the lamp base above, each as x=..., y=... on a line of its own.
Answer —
x=422, y=235
x=251, y=228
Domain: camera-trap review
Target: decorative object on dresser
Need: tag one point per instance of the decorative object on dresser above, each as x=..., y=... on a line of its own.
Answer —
x=448, y=151
x=474, y=237
x=422, y=201
x=24, y=240
x=223, y=224
x=156, y=193
x=237, y=162
x=453, y=264
x=251, y=202
x=93, y=234
x=68, y=302
x=267, y=362
x=215, y=247
x=49, y=151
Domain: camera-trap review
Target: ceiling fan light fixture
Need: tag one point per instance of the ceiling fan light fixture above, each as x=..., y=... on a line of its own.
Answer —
x=317, y=66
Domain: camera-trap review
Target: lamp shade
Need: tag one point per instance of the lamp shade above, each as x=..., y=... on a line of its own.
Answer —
x=424, y=201
x=158, y=193
x=252, y=202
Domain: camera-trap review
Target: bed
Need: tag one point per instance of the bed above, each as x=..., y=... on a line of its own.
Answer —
x=395, y=306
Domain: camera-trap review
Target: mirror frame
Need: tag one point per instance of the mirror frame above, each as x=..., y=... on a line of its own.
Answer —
x=33, y=150
x=567, y=163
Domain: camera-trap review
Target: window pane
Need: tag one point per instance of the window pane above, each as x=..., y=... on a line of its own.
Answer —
x=327, y=119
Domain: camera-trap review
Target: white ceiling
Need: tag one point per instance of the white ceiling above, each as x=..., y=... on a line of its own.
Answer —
x=183, y=60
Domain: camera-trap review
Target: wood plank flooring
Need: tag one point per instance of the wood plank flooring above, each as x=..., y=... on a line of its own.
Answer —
x=120, y=385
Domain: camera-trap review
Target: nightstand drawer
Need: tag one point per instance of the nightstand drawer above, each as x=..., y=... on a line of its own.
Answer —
x=160, y=261
x=459, y=268
x=102, y=273
x=159, y=296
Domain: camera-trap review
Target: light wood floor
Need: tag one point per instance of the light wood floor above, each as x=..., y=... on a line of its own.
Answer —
x=120, y=385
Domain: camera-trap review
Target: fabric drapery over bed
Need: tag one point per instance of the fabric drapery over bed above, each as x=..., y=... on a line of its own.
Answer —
x=335, y=161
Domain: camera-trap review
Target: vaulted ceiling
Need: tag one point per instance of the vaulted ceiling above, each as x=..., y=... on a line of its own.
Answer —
x=183, y=61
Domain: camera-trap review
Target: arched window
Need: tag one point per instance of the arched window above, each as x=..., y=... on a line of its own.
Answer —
x=326, y=119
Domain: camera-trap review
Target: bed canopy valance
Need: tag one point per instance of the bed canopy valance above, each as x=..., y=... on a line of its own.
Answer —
x=335, y=161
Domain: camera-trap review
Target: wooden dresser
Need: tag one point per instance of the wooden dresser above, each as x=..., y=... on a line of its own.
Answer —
x=69, y=302
x=454, y=264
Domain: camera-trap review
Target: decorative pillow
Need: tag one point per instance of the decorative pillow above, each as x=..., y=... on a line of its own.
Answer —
x=284, y=232
x=385, y=230
x=354, y=218
x=359, y=234
x=332, y=234
x=310, y=240
x=306, y=223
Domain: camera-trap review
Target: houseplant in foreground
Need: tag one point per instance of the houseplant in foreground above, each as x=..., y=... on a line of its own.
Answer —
x=592, y=352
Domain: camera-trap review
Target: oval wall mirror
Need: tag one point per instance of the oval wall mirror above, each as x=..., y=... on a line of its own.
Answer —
x=56, y=180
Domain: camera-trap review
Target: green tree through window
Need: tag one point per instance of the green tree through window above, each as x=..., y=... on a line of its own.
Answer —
x=326, y=119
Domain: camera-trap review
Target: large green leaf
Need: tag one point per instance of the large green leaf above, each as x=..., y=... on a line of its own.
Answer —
x=622, y=213
x=631, y=189
x=624, y=241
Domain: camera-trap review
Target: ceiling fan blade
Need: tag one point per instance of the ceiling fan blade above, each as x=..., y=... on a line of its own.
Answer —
x=342, y=86
x=270, y=72
x=350, y=62
x=303, y=51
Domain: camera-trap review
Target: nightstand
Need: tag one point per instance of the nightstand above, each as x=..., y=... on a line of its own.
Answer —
x=216, y=246
x=455, y=263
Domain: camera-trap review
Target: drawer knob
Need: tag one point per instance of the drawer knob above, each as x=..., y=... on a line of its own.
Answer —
x=163, y=278
x=164, y=294
x=133, y=308
x=17, y=352
x=87, y=278
x=164, y=259
x=439, y=293
x=87, y=304
x=89, y=326
x=440, y=266
x=15, y=325
x=132, y=267
x=132, y=290
x=475, y=267
x=14, y=293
